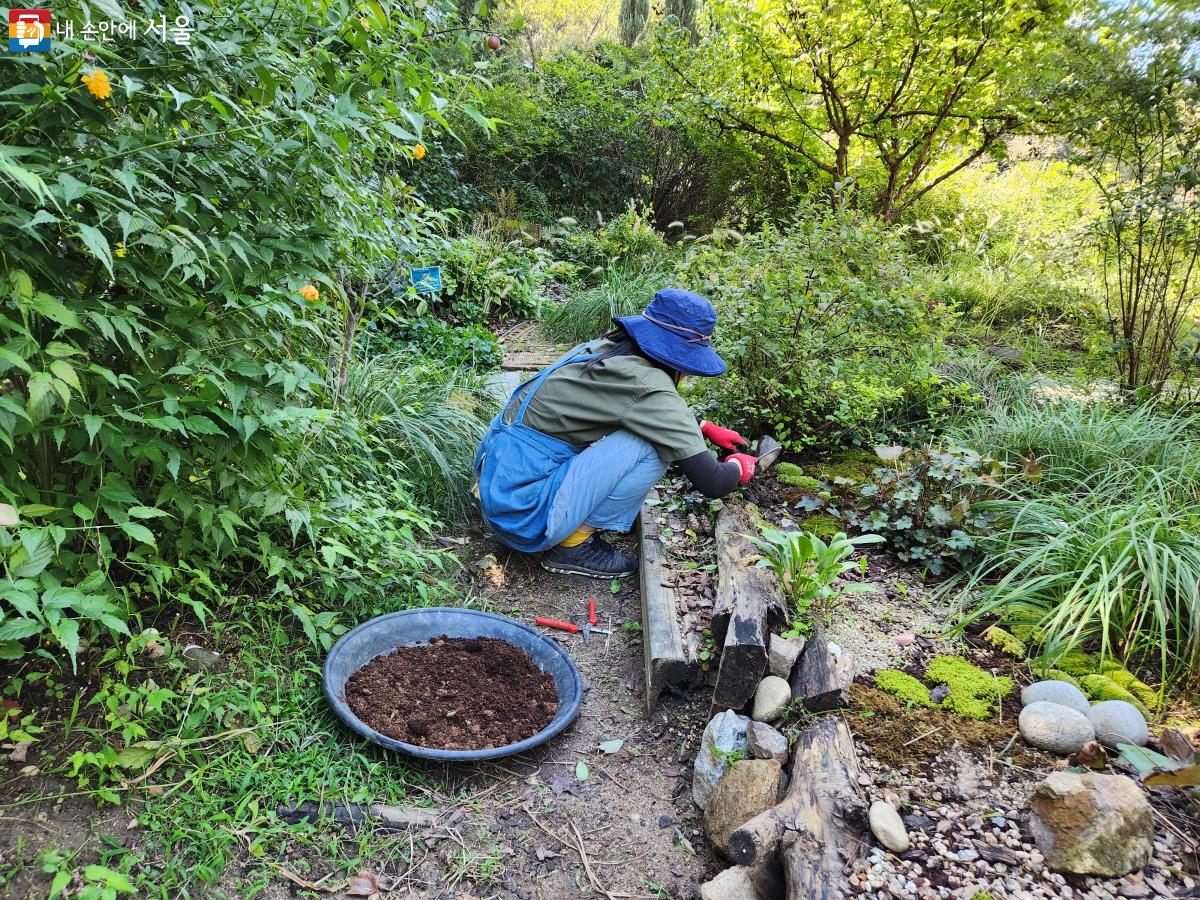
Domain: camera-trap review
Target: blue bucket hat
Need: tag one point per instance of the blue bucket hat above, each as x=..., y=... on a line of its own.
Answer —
x=676, y=330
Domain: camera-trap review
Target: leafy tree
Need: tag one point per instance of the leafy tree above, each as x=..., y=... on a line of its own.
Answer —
x=1135, y=127
x=896, y=94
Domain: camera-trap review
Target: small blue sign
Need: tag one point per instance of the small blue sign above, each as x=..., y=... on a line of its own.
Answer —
x=427, y=280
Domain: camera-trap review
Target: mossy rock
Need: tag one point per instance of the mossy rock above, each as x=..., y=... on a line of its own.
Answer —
x=1048, y=674
x=973, y=692
x=1005, y=642
x=1028, y=634
x=1148, y=696
x=843, y=466
x=903, y=687
x=1101, y=687
x=1078, y=663
x=793, y=476
x=823, y=526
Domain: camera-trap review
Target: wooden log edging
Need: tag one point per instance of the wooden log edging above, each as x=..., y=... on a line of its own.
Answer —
x=749, y=603
x=816, y=829
x=670, y=660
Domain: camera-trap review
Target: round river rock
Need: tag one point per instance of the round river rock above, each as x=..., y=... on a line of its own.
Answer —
x=1061, y=692
x=1055, y=728
x=1118, y=722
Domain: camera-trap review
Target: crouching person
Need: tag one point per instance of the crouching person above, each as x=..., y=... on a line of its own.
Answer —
x=578, y=446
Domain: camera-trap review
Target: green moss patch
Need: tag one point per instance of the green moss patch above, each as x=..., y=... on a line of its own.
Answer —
x=792, y=475
x=1048, y=674
x=1078, y=663
x=1147, y=695
x=1005, y=642
x=1101, y=687
x=823, y=526
x=903, y=687
x=973, y=692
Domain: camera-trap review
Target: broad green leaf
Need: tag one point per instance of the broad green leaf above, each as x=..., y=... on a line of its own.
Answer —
x=138, y=532
x=19, y=629
x=54, y=310
x=38, y=509
x=611, y=746
x=581, y=771
x=66, y=372
x=95, y=241
x=110, y=879
x=83, y=512
x=146, y=512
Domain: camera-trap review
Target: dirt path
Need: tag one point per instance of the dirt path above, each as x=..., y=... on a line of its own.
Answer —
x=627, y=829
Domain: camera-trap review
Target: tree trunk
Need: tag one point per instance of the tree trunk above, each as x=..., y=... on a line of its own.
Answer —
x=633, y=18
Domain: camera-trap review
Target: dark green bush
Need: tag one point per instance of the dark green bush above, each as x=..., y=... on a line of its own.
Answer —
x=826, y=339
x=452, y=346
x=164, y=392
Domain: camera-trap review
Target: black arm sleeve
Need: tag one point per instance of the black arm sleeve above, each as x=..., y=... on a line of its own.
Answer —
x=711, y=478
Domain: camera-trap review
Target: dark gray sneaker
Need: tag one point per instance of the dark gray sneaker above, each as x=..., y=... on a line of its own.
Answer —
x=595, y=558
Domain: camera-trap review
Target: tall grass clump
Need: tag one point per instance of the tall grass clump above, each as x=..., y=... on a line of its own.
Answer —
x=1098, y=542
x=624, y=290
x=1072, y=446
x=421, y=421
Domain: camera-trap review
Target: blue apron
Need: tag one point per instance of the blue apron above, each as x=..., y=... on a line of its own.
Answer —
x=520, y=469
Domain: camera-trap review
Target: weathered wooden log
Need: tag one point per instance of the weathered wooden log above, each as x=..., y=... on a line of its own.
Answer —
x=821, y=680
x=816, y=828
x=749, y=603
x=741, y=583
x=671, y=660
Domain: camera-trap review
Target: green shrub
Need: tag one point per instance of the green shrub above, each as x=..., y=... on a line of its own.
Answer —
x=973, y=693
x=903, y=686
x=826, y=342
x=484, y=281
x=1099, y=542
x=454, y=346
x=159, y=375
x=421, y=419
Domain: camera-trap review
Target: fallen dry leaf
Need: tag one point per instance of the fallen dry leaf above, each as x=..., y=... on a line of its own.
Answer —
x=20, y=751
x=1090, y=756
x=1175, y=744
x=363, y=885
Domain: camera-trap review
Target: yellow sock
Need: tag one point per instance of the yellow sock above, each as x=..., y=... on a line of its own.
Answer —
x=578, y=536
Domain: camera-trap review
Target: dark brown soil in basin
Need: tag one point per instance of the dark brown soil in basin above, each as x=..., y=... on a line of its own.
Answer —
x=454, y=694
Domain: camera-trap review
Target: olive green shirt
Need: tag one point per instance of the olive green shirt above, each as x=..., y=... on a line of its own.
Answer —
x=624, y=392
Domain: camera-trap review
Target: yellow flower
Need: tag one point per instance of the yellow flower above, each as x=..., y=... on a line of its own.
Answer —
x=364, y=24
x=97, y=84
x=418, y=151
x=310, y=293
x=120, y=251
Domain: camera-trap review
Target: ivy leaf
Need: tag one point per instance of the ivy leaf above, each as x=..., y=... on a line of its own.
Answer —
x=612, y=746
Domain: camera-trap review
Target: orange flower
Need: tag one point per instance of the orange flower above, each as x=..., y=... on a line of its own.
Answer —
x=97, y=84
x=310, y=293
x=418, y=151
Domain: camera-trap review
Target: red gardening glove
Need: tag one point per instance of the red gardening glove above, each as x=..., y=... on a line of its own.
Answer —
x=725, y=438
x=745, y=462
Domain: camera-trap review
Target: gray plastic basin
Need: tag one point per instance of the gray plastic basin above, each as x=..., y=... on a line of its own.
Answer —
x=418, y=626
